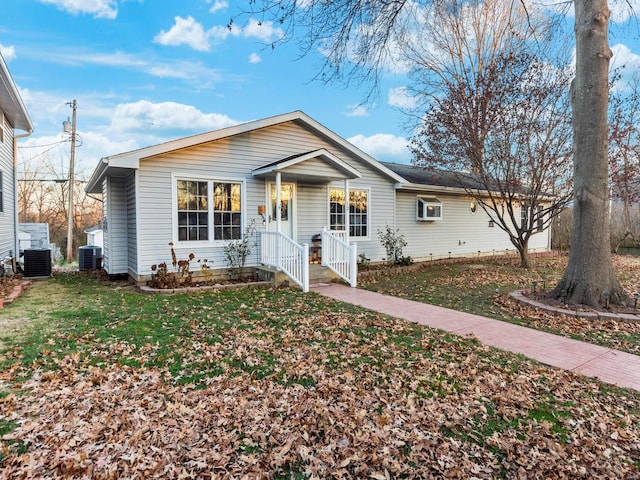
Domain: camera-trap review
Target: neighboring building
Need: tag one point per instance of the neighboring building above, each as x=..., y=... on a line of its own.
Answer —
x=13, y=116
x=95, y=236
x=38, y=236
x=201, y=192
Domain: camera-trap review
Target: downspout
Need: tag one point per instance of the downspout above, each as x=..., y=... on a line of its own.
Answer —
x=16, y=240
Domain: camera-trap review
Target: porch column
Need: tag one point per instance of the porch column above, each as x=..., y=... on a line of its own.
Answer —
x=347, y=209
x=278, y=214
x=278, y=200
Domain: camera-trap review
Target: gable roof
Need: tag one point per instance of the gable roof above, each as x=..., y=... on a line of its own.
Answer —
x=11, y=102
x=131, y=160
x=341, y=168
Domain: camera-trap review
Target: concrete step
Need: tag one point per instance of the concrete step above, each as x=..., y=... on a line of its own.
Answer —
x=320, y=274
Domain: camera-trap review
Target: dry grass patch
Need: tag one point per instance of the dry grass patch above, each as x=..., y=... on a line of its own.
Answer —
x=278, y=384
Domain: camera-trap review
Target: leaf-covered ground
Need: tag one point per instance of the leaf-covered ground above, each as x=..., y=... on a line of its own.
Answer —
x=483, y=288
x=277, y=384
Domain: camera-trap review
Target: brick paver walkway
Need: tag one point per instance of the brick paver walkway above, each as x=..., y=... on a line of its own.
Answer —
x=608, y=365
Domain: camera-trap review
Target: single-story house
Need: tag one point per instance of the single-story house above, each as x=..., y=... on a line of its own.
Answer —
x=201, y=192
x=13, y=116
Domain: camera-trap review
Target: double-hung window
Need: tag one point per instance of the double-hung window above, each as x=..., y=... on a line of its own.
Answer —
x=358, y=211
x=540, y=218
x=208, y=210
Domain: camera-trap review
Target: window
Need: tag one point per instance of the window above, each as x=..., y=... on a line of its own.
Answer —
x=1, y=129
x=540, y=218
x=227, y=215
x=1, y=192
x=429, y=208
x=358, y=209
x=524, y=216
x=198, y=215
x=193, y=213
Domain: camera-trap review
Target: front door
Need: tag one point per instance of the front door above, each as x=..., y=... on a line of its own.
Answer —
x=287, y=202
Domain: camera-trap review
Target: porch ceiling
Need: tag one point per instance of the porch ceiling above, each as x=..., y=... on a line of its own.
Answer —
x=318, y=166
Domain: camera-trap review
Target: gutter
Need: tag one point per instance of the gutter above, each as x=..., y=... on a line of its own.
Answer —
x=16, y=240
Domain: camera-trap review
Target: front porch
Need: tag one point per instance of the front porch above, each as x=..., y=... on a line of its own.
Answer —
x=283, y=254
x=281, y=216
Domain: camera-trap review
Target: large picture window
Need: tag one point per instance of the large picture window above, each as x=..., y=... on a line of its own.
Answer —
x=209, y=210
x=358, y=210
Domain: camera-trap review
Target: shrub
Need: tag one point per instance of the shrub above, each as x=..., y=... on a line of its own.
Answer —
x=393, y=242
x=180, y=276
x=236, y=252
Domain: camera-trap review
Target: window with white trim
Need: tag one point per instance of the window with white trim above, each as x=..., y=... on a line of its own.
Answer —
x=429, y=208
x=1, y=193
x=358, y=211
x=540, y=219
x=227, y=211
x=208, y=210
x=524, y=216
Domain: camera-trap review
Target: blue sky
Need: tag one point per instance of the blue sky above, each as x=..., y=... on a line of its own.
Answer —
x=147, y=71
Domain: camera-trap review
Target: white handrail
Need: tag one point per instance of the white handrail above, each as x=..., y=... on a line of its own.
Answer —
x=339, y=256
x=281, y=252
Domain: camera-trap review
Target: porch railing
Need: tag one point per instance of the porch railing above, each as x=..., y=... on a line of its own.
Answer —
x=281, y=252
x=339, y=256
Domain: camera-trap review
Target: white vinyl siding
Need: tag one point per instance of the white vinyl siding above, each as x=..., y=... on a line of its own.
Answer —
x=460, y=233
x=312, y=210
x=132, y=230
x=116, y=236
x=7, y=211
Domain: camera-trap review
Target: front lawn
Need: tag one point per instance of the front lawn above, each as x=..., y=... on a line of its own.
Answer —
x=482, y=287
x=110, y=383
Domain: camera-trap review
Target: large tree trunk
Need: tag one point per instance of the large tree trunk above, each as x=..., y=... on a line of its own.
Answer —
x=589, y=276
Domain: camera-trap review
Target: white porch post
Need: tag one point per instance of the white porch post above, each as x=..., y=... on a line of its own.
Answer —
x=278, y=214
x=347, y=208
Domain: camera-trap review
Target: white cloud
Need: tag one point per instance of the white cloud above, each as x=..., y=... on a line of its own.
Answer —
x=218, y=5
x=254, y=58
x=623, y=56
x=382, y=145
x=185, y=31
x=8, y=52
x=400, y=97
x=116, y=59
x=194, y=72
x=264, y=31
x=98, y=8
x=357, y=111
x=143, y=115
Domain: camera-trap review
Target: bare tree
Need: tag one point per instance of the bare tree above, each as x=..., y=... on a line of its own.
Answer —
x=43, y=193
x=624, y=155
x=360, y=36
x=496, y=114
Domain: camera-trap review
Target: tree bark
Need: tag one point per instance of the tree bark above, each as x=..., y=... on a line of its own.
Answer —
x=590, y=276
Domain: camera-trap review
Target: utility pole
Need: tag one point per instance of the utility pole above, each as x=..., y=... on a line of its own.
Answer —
x=70, y=215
